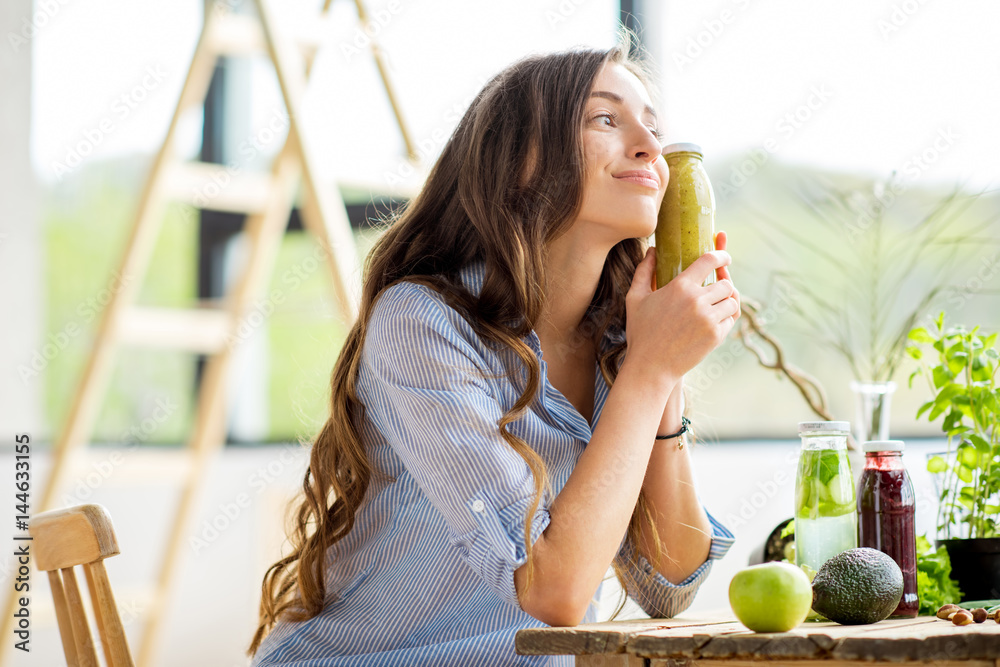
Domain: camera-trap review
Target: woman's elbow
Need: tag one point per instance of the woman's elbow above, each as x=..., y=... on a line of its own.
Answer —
x=555, y=613
x=554, y=606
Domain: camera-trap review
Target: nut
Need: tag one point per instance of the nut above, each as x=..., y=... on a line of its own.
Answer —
x=979, y=615
x=947, y=610
x=961, y=618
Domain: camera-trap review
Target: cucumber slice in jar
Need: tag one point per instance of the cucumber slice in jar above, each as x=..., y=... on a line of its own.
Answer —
x=838, y=491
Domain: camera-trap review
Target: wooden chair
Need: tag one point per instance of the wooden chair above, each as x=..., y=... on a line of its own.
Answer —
x=81, y=535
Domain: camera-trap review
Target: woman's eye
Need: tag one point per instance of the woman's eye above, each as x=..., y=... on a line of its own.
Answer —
x=606, y=119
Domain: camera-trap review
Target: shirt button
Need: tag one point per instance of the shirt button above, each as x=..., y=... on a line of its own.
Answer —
x=478, y=506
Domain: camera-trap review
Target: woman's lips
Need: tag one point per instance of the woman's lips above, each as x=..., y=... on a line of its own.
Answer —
x=648, y=179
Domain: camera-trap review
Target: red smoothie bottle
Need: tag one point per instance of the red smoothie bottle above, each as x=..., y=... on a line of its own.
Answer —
x=886, y=515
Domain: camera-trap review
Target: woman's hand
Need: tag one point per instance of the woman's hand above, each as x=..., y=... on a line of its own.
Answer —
x=673, y=328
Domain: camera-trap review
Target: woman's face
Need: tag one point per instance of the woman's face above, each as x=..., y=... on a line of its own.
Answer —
x=625, y=174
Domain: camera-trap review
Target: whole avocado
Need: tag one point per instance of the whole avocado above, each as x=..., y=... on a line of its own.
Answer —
x=858, y=586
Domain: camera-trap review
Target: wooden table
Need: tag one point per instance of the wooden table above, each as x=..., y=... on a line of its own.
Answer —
x=718, y=640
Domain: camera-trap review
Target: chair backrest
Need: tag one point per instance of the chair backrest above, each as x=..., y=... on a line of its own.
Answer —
x=81, y=535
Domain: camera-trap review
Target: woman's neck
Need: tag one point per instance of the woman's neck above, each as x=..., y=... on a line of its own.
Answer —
x=572, y=273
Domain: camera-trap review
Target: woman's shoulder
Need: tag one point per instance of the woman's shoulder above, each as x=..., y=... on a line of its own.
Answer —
x=407, y=297
x=407, y=311
x=411, y=300
x=416, y=299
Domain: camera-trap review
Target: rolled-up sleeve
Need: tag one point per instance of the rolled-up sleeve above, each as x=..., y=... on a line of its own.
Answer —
x=427, y=394
x=658, y=597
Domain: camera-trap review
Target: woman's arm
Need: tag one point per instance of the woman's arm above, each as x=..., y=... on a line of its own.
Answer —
x=681, y=521
x=592, y=512
x=668, y=331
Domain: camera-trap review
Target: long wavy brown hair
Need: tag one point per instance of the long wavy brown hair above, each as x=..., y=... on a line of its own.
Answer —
x=507, y=183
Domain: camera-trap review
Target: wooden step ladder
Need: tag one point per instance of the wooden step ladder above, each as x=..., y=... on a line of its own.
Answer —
x=267, y=199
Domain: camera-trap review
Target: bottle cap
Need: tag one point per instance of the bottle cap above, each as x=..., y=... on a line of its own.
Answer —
x=682, y=147
x=884, y=446
x=843, y=427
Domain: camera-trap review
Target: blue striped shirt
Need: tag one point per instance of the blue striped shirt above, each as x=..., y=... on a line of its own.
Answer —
x=426, y=576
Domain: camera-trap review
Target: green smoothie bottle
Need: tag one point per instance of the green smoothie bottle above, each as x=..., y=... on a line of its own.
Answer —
x=685, y=227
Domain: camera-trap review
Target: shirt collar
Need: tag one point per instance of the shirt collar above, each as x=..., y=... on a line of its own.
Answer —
x=472, y=276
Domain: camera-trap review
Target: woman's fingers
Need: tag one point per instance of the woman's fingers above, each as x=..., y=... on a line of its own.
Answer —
x=642, y=280
x=728, y=307
x=721, y=241
x=718, y=291
x=704, y=266
x=723, y=299
x=681, y=323
x=722, y=273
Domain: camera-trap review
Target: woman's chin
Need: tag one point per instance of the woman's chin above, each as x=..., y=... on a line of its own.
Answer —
x=645, y=226
x=628, y=224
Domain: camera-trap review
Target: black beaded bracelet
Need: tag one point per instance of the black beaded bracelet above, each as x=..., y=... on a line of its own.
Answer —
x=685, y=422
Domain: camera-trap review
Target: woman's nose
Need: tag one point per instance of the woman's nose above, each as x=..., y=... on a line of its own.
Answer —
x=647, y=146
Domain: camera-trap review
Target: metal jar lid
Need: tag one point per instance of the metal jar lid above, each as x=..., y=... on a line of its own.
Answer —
x=825, y=427
x=681, y=148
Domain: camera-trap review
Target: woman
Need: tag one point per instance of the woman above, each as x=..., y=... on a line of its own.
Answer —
x=491, y=447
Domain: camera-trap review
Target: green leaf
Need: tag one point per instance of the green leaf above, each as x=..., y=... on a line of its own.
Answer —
x=952, y=422
x=942, y=376
x=920, y=335
x=960, y=347
x=915, y=352
x=964, y=473
x=936, y=464
x=982, y=446
x=991, y=401
x=935, y=587
x=946, y=395
x=924, y=408
x=957, y=363
x=968, y=456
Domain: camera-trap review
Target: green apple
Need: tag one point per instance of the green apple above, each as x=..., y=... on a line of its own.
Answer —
x=771, y=597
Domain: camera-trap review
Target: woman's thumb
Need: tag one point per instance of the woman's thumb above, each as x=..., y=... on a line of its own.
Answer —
x=643, y=279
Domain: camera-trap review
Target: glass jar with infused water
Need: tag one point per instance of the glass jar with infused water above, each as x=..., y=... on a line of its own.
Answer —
x=825, y=511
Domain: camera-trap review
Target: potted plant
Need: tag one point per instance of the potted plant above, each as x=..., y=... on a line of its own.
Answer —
x=870, y=267
x=961, y=368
